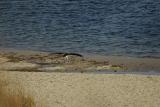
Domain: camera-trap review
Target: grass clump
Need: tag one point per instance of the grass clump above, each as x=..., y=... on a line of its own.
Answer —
x=14, y=99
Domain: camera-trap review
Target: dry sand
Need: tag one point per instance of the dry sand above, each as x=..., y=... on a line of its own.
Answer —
x=55, y=89
x=89, y=90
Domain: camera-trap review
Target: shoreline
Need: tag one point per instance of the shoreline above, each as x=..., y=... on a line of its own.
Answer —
x=88, y=55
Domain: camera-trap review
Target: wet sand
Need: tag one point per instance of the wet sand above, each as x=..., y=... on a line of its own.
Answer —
x=51, y=79
x=132, y=63
x=45, y=61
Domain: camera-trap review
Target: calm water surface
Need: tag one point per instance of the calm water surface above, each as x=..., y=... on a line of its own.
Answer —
x=108, y=27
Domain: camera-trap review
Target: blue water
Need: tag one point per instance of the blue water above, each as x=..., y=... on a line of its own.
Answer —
x=108, y=27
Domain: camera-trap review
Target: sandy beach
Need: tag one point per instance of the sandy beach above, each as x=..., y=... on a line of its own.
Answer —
x=46, y=77
x=89, y=90
x=79, y=53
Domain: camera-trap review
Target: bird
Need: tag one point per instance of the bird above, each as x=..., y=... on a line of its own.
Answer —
x=69, y=56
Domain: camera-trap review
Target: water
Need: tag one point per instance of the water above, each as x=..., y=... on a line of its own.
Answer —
x=108, y=27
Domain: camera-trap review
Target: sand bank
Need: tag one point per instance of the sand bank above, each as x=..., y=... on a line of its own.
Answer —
x=50, y=62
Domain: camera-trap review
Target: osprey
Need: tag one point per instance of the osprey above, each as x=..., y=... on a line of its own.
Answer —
x=70, y=56
x=67, y=56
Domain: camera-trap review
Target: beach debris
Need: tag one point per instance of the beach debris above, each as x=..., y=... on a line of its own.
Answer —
x=117, y=67
x=51, y=68
x=110, y=67
x=98, y=63
x=92, y=68
x=104, y=67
